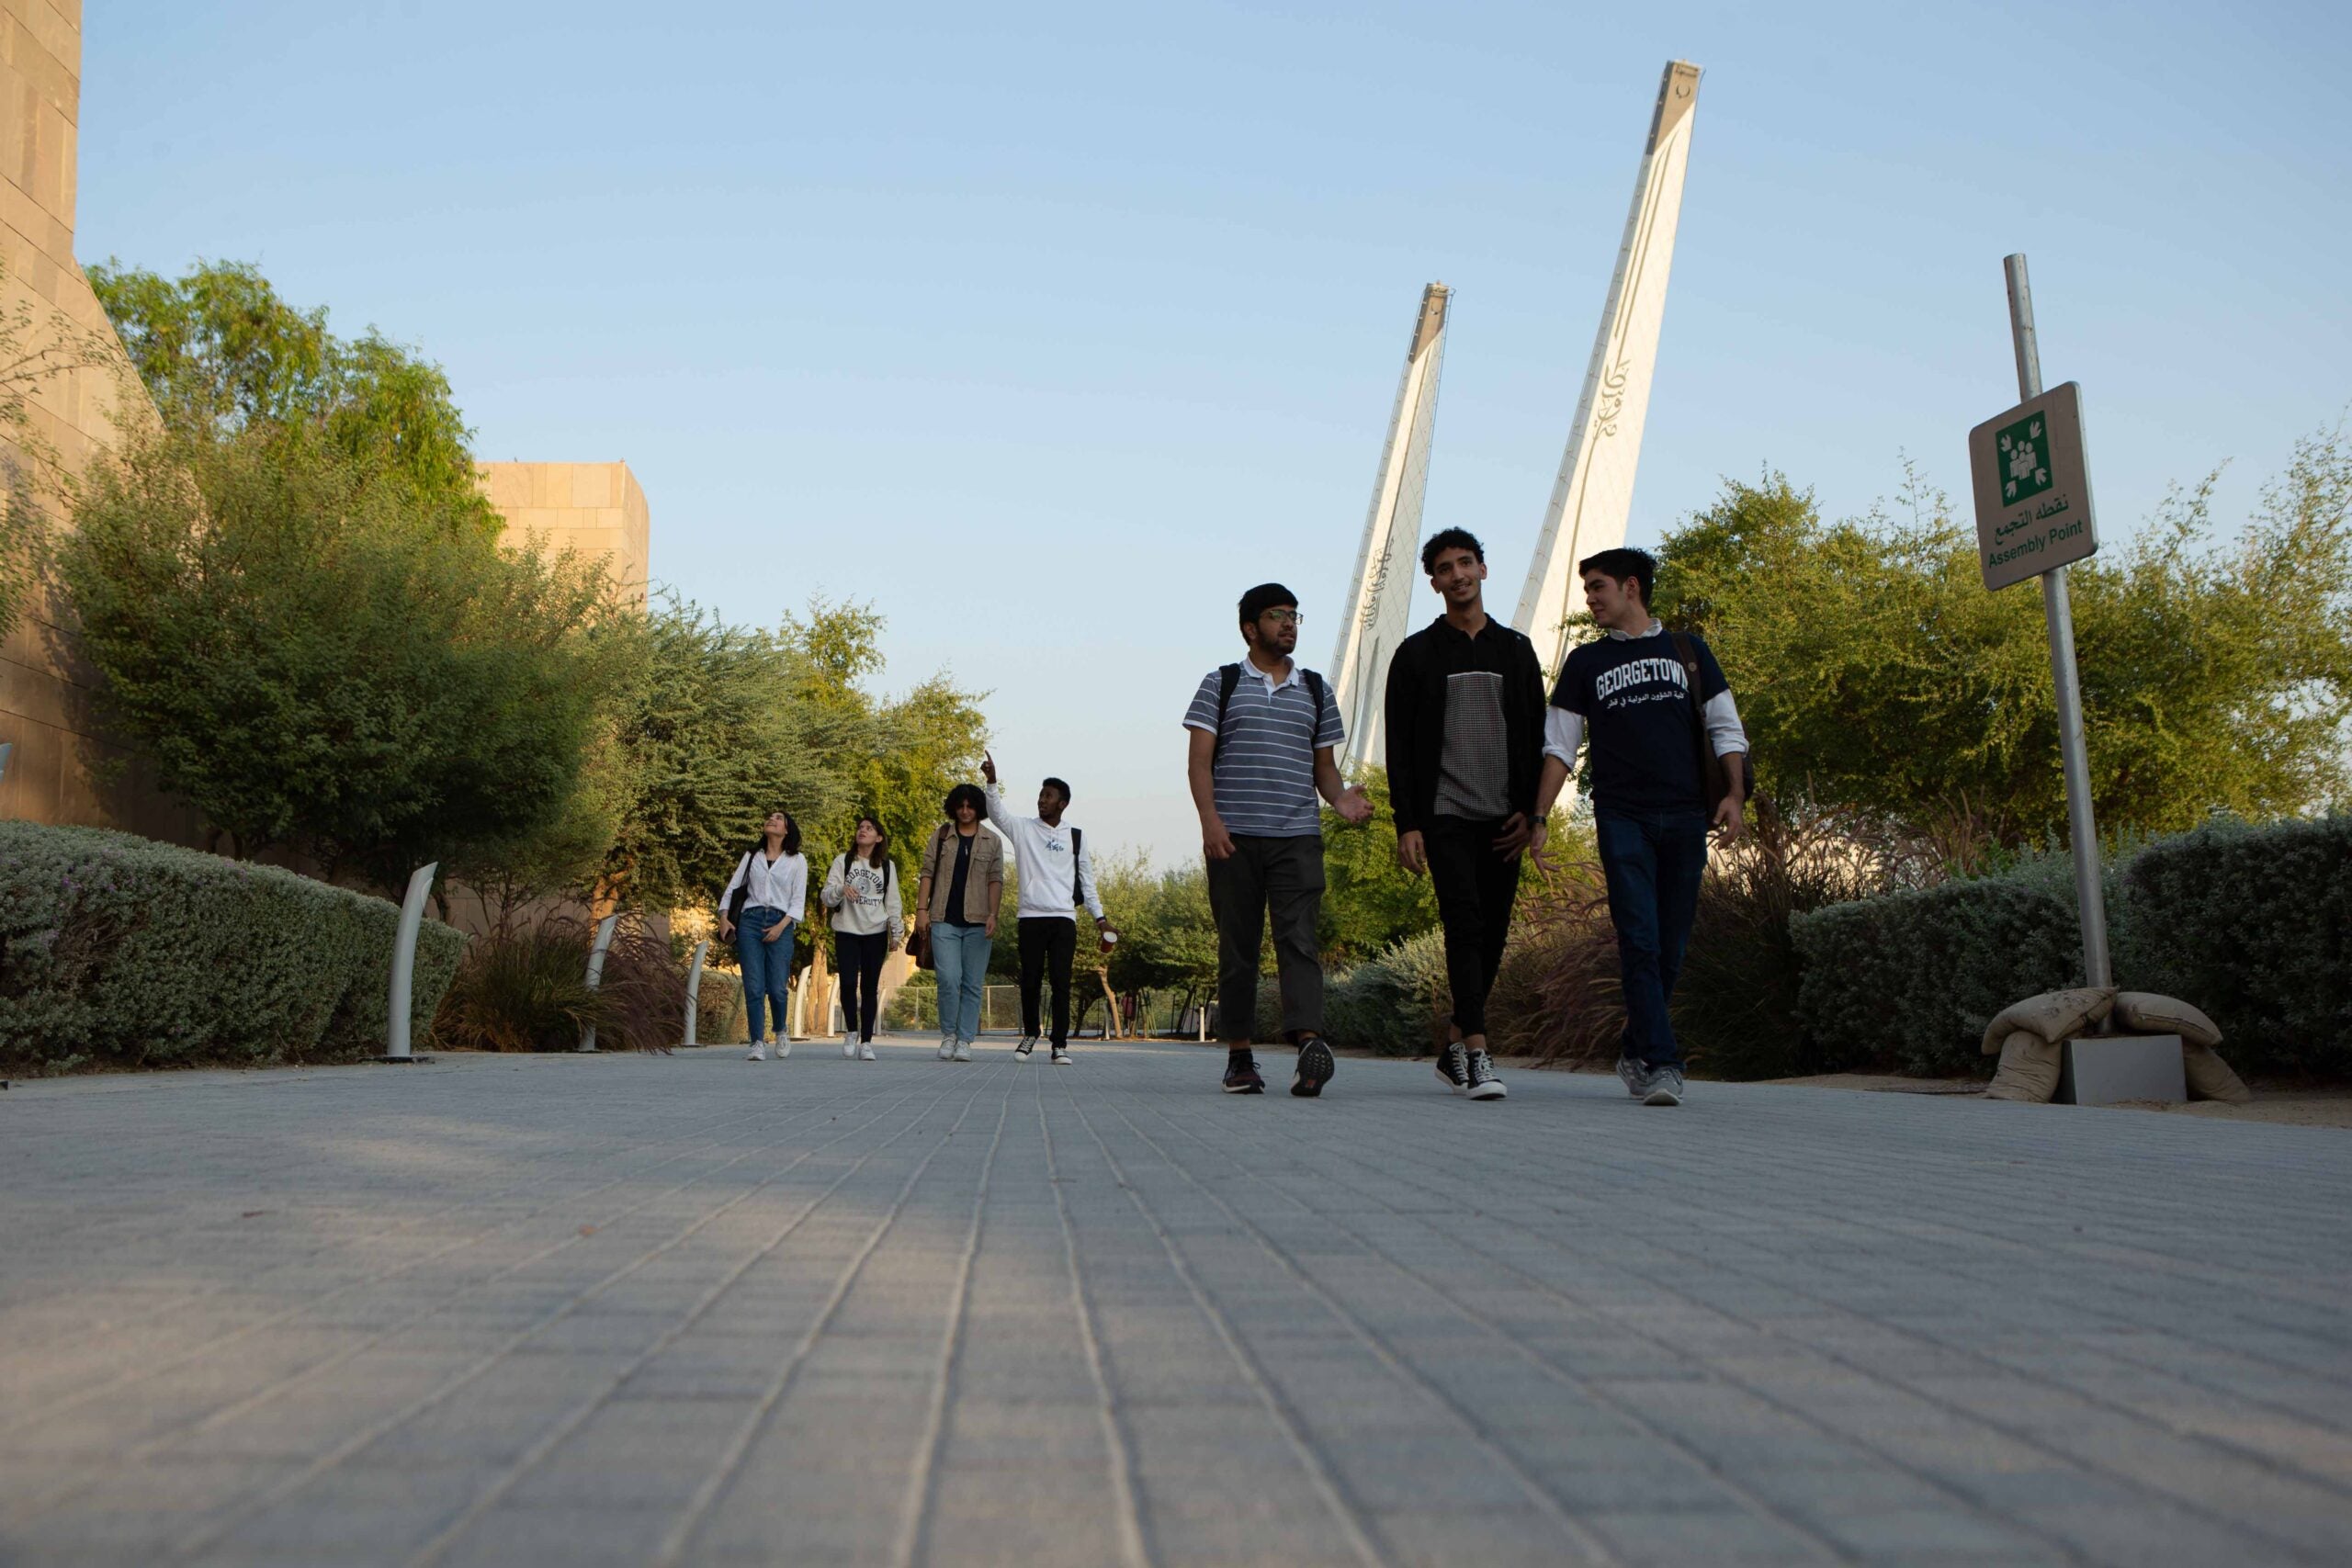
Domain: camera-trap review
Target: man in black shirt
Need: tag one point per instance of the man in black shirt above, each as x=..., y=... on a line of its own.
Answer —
x=1631, y=692
x=1464, y=716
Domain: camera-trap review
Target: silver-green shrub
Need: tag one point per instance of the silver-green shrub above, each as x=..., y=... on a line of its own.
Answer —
x=117, y=951
x=1385, y=1004
x=2254, y=925
x=1909, y=979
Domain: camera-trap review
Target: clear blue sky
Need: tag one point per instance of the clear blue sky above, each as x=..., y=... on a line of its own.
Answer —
x=1049, y=329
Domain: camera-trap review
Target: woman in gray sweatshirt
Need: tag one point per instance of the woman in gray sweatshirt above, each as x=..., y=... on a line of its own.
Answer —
x=869, y=919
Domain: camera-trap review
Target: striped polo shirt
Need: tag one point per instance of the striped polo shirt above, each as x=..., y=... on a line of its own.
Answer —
x=1265, y=770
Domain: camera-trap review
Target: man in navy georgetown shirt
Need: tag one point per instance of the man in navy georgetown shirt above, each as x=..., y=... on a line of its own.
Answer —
x=1630, y=693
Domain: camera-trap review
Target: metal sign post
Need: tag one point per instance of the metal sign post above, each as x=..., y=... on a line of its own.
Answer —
x=2090, y=891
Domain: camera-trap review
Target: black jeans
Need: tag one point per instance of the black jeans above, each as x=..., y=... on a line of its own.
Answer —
x=1475, y=889
x=1653, y=861
x=1047, y=942
x=858, y=960
x=1285, y=876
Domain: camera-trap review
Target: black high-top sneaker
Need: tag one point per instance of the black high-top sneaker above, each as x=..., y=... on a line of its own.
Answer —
x=1454, y=1068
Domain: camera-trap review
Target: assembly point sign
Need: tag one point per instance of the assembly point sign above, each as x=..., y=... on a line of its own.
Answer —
x=2034, y=487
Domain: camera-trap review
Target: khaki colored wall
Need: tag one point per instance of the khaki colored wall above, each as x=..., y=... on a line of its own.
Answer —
x=61, y=771
x=597, y=509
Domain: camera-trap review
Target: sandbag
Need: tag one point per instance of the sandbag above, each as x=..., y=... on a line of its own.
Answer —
x=2145, y=1012
x=2210, y=1077
x=2028, y=1069
x=2049, y=1018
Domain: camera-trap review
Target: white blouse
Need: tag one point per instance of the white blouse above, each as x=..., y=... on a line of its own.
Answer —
x=779, y=884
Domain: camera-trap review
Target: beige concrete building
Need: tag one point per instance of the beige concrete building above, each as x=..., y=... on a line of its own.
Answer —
x=597, y=509
x=59, y=770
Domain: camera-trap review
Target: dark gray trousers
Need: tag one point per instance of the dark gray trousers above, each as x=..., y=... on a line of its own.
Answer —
x=1285, y=876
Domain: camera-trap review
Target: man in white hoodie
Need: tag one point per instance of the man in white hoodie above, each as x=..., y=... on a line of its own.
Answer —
x=1056, y=875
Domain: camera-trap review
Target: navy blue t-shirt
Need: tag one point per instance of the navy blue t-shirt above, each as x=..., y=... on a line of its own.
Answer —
x=1635, y=703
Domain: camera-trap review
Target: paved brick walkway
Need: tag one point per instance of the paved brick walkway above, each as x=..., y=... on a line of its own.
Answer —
x=509, y=1311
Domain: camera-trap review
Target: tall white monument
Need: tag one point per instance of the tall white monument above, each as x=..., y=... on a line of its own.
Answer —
x=1380, y=608
x=1594, y=493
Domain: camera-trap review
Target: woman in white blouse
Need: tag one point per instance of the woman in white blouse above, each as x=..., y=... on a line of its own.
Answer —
x=774, y=881
x=869, y=919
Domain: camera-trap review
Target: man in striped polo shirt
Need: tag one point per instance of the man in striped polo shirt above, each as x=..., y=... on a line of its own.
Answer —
x=1262, y=734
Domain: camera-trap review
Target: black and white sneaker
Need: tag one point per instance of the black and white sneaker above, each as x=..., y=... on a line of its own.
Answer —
x=1666, y=1086
x=1454, y=1068
x=1241, y=1074
x=1028, y=1043
x=1634, y=1075
x=1484, y=1085
x=1061, y=1057
x=1315, y=1067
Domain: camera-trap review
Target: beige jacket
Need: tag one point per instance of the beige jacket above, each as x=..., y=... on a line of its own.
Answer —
x=983, y=883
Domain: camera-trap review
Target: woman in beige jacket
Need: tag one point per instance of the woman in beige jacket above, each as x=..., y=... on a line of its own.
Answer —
x=962, y=879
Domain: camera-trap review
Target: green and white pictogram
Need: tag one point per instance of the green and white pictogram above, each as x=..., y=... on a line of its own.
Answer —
x=2024, y=450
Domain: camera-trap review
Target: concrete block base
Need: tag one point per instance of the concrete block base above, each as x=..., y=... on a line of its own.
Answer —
x=2102, y=1070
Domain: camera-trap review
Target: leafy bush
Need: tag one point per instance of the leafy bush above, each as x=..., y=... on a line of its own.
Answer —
x=117, y=951
x=528, y=990
x=1735, y=1003
x=2254, y=925
x=1394, y=1004
x=1910, y=978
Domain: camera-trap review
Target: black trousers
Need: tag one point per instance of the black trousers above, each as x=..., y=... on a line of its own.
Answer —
x=1047, y=942
x=858, y=961
x=1285, y=876
x=1474, y=890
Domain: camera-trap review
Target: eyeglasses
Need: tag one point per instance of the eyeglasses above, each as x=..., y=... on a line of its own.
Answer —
x=1284, y=617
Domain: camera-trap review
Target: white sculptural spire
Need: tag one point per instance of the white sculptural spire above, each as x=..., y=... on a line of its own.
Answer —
x=1379, y=610
x=1594, y=493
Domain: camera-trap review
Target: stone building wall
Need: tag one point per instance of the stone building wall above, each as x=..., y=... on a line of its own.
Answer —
x=61, y=771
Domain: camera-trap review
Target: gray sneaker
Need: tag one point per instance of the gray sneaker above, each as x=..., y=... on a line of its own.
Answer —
x=1666, y=1086
x=948, y=1049
x=963, y=1050
x=1635, y=1075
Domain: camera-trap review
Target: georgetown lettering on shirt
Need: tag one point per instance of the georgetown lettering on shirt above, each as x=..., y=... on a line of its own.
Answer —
x=1643, y=670
x=1633, y=696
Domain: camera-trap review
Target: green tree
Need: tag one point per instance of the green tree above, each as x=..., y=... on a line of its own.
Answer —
x=322, y=658
x=219, y=351
x=897, y=757
x=713, y=733
x=1369, y=902
x=1167, y=940
x=1877, y=675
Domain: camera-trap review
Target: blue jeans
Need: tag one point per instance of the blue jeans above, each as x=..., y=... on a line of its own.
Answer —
x=767, y=967
x=1653, y=861
x=961, y=955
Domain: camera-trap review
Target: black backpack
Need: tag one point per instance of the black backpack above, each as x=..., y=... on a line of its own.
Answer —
x=1229, y=676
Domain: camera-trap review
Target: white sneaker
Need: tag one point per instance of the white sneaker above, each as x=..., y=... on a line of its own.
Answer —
x=948, y=1049
x=963, y=1050
x=849, y=1044
x=783, y=1049
x=865, y=1052
x=759, y=1052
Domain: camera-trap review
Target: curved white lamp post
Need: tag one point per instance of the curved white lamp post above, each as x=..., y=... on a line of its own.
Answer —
x=396, y=1041
x=694, y=990
x=596, y=969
